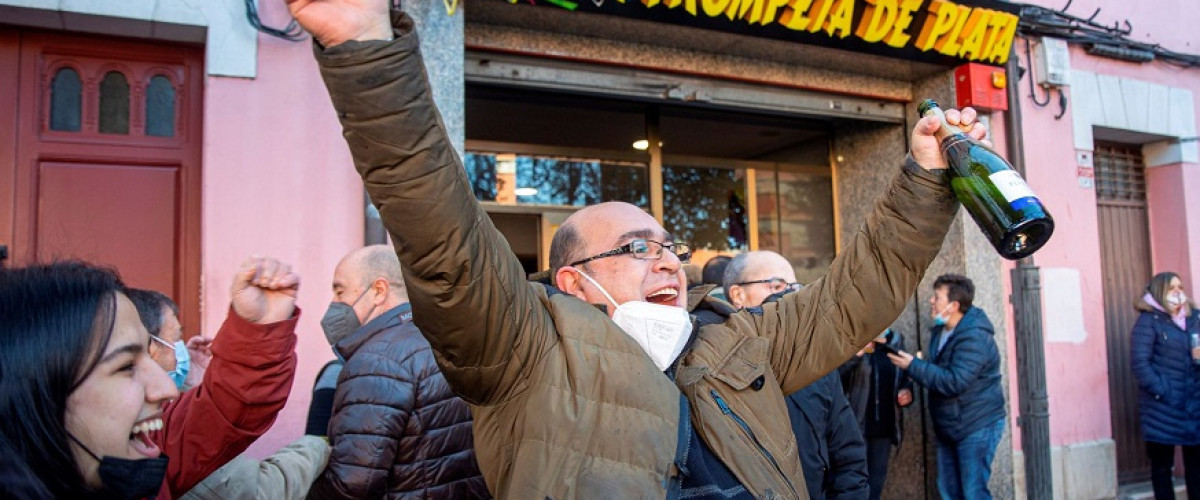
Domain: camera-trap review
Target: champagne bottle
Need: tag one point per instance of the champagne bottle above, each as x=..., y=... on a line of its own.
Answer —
x=995, y=195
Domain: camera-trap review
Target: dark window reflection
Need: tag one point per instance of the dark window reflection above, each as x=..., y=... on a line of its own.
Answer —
x=160, y=107
x=706, y=207
x=114, y=104
x=795, y=218
x=66, y=96
x=546, y=180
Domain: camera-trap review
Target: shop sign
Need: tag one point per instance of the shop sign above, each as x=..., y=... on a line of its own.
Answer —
x=927, y=30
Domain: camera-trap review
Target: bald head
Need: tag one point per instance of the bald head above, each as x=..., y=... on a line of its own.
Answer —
x=759, y=266
x=601, y=224
x=370, y=281
x=604, y=227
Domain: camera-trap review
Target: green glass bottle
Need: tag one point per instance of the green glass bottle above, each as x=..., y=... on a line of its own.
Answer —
x=1008, y=212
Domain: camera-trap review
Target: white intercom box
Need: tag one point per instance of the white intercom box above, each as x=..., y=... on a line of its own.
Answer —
x=1052, y=62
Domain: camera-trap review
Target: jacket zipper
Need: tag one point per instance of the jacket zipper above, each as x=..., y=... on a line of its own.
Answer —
x=749, y=432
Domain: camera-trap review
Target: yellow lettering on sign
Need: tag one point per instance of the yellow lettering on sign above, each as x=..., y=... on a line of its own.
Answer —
x=795, y=16
x=772, y=8
x=650, y=3
x=974, y=34
x=948, y=44
x=995, y=26
x=714, y=8
x=822, y=8
x=744, y=9
x=842, y=20
x=1002, y=47
x=900, y=37
x=879, y=16
x=946, y=13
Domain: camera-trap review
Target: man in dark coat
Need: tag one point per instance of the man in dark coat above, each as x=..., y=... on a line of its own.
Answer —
x=965, y=398
x=877, y=391
x=832, y=452
x=397, y=430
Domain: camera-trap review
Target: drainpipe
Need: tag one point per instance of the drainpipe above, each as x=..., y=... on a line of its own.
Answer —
x=373, y=230
x=1026, y=299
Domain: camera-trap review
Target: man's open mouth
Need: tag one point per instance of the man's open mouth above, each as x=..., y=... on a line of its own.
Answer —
x=664, y=296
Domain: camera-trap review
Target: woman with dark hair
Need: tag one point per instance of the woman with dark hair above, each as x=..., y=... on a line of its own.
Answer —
x=79, y=393
x=1167, y=366
x=89, y=414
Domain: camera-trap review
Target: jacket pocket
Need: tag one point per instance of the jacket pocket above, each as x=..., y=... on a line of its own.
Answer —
x=746, y=365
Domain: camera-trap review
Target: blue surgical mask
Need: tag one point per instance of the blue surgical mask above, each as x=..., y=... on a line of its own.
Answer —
x=941, y=319
x=183, y=361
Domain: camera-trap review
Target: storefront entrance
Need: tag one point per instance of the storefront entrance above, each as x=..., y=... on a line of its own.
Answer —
x=725, y=181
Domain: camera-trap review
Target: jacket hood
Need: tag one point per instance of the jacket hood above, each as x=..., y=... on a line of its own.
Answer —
x=974, y=319
x=1142, y=306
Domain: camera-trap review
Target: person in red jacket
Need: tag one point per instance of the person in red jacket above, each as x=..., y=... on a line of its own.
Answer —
x=86, y=412
x=247, y=381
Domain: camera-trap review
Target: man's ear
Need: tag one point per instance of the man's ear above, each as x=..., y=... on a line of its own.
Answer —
x=736, y=296
x=569, y=282
x=955, y=307
x=382, y=288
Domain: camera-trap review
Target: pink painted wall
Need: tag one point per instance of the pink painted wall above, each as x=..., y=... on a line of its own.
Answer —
x=1077, y=374
x=278, y=181
x=1175, y=220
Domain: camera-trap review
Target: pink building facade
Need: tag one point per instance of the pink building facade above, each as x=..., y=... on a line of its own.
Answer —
x=1149, y=110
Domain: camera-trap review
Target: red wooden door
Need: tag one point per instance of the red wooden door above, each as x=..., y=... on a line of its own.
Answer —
x=106, y=158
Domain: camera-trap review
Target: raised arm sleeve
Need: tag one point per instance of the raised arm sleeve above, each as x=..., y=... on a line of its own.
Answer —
x=818, y=328
x=470, y=298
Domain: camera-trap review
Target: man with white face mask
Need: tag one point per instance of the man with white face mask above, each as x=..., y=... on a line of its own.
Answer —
x=579, y=391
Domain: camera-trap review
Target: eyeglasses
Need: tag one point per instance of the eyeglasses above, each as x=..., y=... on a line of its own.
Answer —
x=777, y=284
x=644, y=249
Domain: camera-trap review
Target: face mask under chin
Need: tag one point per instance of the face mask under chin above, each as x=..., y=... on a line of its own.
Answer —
x=661, y=331
x=128, y=479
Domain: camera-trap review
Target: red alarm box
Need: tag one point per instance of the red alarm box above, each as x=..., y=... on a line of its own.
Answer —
x=981, y=87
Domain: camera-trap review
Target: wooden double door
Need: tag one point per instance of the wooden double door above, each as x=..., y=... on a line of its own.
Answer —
x=100, y=144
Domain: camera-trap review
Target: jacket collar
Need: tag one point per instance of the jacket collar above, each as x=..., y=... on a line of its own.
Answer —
x=393, y=317
x=974, y=319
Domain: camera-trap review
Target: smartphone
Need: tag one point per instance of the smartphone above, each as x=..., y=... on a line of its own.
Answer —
x=886, y=349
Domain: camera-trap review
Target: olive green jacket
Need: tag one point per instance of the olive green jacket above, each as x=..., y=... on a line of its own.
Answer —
x=566, y=404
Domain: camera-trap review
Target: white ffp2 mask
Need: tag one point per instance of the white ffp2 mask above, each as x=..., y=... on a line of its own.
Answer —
x=662, y=331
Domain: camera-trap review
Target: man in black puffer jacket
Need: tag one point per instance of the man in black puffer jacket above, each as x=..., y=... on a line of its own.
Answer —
x=397, y=430
x=965, y=398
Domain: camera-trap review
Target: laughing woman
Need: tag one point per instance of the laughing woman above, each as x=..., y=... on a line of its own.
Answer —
x=79, y=392
x=88, y=413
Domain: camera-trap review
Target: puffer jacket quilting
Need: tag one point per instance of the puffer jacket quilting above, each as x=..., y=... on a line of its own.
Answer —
x=1168, y=381
x=397, y=431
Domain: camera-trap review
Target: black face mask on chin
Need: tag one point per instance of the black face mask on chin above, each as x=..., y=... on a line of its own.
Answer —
x=129, y=479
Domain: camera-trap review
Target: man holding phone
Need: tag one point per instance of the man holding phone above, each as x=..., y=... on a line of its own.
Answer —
x=965, y=398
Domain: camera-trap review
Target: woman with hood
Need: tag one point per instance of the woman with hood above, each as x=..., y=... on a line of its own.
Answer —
x=1166, y=361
